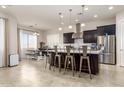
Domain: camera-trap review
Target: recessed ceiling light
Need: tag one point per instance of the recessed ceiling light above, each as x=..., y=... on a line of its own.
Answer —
x=110, y=7
x=86, y=9
x=3, y=6
x=76, y=20
x=83, y=24
x=70, y=26
x=59, y=28
x=62, y=23
x=95, y=16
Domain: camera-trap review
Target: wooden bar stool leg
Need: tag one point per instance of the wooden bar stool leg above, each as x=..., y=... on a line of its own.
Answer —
x=89, y=67
x=80, y=66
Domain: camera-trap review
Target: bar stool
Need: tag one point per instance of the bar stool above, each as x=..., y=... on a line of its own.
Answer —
x=84, y=56
x=59, y=59
x=48, y=59
x=69, y=59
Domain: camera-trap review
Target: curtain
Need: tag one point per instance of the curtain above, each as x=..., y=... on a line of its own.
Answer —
x=27, y=41
x=2, y=43
x=18, y=39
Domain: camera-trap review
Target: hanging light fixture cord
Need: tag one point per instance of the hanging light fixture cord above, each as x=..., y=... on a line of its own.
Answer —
x=60, y=17
x=70, y=15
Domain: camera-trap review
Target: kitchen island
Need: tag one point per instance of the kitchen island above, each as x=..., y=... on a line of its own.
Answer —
x=93, y=55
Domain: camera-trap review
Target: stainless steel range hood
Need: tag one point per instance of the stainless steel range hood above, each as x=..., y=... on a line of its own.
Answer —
x=78, y=33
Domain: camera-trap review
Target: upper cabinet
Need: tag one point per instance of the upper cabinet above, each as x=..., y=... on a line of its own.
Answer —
x=67, y=38
x=108, y=29
x=90, y=36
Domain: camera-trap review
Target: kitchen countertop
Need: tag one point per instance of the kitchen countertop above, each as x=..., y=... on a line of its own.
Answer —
x=77, y=51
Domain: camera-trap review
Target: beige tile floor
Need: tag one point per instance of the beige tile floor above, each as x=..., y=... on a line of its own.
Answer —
x=33, y=74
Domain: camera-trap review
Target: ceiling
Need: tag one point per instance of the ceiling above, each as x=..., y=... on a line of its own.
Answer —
x=45, y=17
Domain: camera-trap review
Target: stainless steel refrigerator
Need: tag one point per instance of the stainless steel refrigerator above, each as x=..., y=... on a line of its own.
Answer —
x=108, y=54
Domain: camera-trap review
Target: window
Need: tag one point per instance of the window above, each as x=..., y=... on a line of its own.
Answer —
x=32, y=42
x=24, y=40
x=27, y=41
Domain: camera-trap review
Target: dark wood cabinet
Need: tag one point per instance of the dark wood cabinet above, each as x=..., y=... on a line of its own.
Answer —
x=107, y=29
x=90, y=36
x=67, y=38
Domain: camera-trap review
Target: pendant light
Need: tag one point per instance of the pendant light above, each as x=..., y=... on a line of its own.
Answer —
x=70, y=26
x=83, y=8
x=79, y=33
x=61, y=21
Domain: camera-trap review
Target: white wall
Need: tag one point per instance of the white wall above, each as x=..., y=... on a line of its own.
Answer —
x=12, y=39
x=89, y=26
x=43, y=36
x=11, y=35
x=119, y=17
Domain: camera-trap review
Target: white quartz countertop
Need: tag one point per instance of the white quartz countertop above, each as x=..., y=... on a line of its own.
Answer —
x=77, y=51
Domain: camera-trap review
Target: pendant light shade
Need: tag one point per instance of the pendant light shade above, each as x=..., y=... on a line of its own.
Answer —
x=61, y=21
x=70, y=26
x=59, y=28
